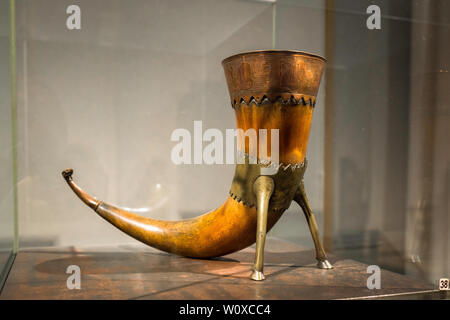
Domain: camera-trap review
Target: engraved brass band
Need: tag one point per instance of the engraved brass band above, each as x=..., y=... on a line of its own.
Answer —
x=286, y=180
x=273, y=74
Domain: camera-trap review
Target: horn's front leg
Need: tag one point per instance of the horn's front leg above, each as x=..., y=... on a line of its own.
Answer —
x=302, y=200
x=263, y=188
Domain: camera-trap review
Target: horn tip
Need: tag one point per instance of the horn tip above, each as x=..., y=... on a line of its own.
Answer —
x=67, y=174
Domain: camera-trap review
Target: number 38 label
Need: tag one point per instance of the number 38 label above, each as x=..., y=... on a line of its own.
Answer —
x=444, y=284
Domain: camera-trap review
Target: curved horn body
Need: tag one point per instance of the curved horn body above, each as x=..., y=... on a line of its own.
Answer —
x=229, y=228
x=268, y=90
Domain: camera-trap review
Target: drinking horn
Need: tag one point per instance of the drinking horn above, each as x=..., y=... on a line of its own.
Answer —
x=272, y=90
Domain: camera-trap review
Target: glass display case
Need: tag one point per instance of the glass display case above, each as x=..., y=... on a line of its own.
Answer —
x=101, y=86
x=7, y=140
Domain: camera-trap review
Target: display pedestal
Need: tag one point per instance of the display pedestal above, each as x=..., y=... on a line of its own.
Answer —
x=137, y=272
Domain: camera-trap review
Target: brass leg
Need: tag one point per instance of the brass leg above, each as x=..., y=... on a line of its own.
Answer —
x=263, y=188
x=302, y=200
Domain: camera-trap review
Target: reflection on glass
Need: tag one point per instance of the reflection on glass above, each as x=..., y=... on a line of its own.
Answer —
x=6, y=165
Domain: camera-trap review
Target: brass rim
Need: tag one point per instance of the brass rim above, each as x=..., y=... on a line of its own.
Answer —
x=266, y=52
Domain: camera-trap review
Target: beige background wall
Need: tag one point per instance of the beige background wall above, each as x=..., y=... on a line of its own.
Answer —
x=105, y=99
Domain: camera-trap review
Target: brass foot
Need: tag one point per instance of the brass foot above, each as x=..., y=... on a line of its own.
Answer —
x=302, y=200
x=324, y=264
x=263, y=188
x=257, y=275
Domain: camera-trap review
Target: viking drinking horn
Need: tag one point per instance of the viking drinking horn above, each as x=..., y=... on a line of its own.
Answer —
x=271, y=90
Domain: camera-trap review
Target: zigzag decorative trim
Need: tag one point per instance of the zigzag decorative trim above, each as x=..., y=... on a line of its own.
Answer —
x=269, y=163
x=285, y=100
x=250, y=205
x=240, y=200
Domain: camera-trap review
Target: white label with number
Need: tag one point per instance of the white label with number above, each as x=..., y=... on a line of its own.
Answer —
x=444, y=284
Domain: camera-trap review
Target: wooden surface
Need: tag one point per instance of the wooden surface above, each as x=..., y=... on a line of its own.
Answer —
x=137, y=272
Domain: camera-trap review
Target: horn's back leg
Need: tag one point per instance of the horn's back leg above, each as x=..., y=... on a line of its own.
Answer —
x=263, y=189
x=302, y=200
